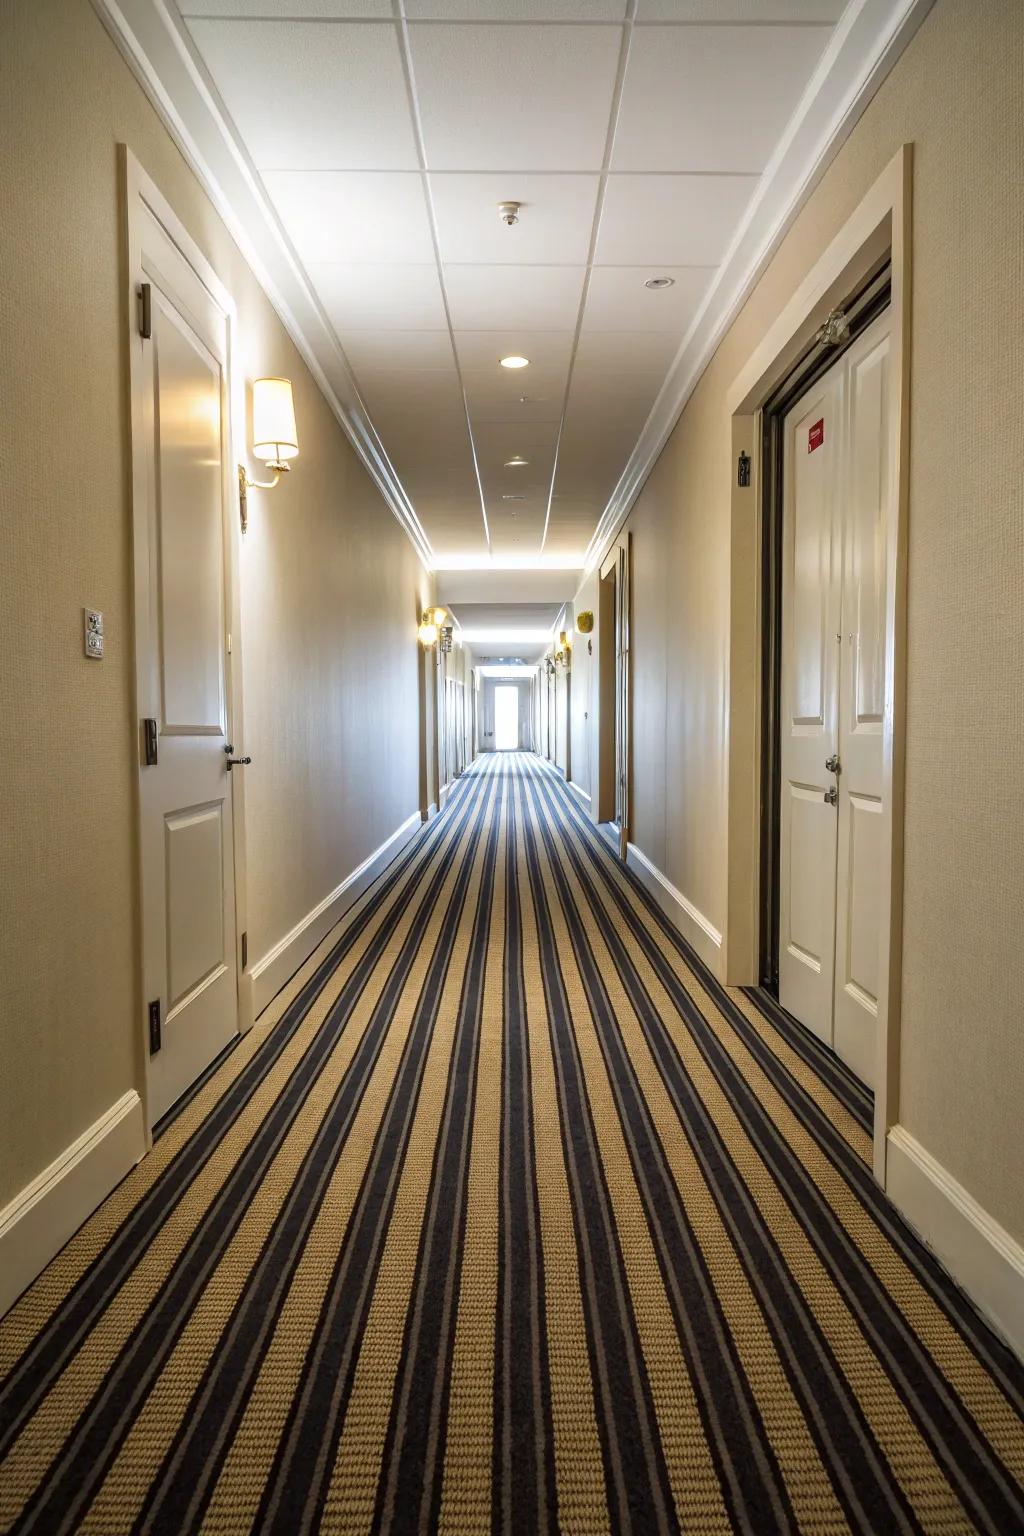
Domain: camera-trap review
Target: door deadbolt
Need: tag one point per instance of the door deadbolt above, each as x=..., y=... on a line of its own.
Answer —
x=831, y=796
x=832, y=763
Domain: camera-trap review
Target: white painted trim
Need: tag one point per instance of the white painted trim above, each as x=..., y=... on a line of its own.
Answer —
x=581, y=793
x=281, y=962
x=699, y=930
x=980, y=1255
x=865, y=46
x=38, y=1221
x=158, y=49
x=430, y=812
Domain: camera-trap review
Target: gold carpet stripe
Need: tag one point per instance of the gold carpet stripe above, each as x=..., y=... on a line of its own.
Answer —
x=42, y=1436
x=352, y=1492
x=21, y=1324
x=814, y=1502
x=466, y=1487
x=692, y=1474
x=913, y=1463
x=579, y=1467
x=240, y=1485
x=925, y=1317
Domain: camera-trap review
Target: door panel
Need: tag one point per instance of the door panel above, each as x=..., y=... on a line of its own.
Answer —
x=180, y=430
x=810, y=622
x=862, y=691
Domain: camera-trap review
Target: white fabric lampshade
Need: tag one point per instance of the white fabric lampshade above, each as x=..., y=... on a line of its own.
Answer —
x=273, y=420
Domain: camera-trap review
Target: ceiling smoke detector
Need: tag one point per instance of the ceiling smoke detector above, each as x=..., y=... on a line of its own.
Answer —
x=508, y=213
x=659, y=282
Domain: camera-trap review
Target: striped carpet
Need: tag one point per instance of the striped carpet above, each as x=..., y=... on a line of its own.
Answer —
x=510, y=1219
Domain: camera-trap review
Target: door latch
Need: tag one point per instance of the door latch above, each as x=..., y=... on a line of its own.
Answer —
x=831, y=796
x=832, y=763
x=235, y=762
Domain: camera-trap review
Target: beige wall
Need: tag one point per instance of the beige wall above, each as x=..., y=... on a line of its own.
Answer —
x=956, y=95
x=331, y=592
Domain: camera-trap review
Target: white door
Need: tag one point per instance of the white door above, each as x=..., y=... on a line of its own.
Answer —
x=180, y=451
x=836, y=487
x=506, y=719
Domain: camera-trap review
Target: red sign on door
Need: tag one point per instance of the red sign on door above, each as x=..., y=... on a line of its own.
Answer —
x=816, y=435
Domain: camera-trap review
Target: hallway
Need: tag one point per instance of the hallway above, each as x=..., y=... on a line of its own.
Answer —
x=507, y=1217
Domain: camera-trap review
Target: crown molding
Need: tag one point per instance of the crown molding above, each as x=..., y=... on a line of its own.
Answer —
x=152, y=39
x=868, y=40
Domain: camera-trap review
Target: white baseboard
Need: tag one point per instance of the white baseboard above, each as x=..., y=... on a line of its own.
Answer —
x=981, y=1255
x=280, y=963
x=39, y=1220
x=580, y=793
x=690, y=921
x=430, y=812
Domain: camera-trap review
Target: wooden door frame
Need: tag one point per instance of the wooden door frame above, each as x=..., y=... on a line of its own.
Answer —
x=614, y=650
x=879, y=226
x=140, y=193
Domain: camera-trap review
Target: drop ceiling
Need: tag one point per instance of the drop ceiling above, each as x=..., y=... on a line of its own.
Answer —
x=385, y=137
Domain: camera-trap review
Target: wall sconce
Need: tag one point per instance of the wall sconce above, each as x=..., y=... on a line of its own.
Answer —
x=432, y=624
x=585, y=622
x=563, y=656
x=274, y=438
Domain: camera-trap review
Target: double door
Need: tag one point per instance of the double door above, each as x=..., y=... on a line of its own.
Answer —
x=837, y=460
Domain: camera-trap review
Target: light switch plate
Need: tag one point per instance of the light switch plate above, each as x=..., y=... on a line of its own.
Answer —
x=92, y=626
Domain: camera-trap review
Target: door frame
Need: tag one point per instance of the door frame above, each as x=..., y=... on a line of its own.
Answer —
x=878, y=227
x=862, y=308
x=140, y=196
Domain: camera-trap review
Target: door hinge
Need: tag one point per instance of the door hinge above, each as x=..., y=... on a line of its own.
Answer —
x=154, y=1026
x=145, y=311
x=743, y=470
x=149, y=749
x=245, y=950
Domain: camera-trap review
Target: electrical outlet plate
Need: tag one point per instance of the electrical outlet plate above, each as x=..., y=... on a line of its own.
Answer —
x=92, y=628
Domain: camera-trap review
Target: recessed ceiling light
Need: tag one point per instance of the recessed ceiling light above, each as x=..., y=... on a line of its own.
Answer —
x=517, y=462
x=513, y=498
x=659, y=282
x=515, y=362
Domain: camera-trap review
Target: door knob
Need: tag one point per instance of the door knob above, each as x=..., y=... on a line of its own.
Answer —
x=832, y=763
x=831, y=795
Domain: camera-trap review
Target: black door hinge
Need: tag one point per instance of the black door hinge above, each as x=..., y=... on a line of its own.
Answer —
x=154, y=1026
x=743, y=470
x=145, y=311
x=245, y=950
x=149, y=749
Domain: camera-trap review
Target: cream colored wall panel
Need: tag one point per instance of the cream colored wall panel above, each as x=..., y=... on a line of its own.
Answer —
x=314, y=95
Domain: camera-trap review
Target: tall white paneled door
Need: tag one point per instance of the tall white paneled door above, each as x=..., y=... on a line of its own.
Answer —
x=837, y=488
x=189, y=781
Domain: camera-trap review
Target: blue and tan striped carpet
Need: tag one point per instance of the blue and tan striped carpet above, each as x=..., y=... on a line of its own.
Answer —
x=513, y=1221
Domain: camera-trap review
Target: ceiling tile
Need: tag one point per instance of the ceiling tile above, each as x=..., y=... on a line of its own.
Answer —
x=536, y=97
x=624, y=352
x=514, y=10
x=683, y=86
x=761, y=11
x=492, y=399
x=530, y=298
x=379, y=351
x=353, y=215
x=312, y=95
x=554, y=225
x=360, y=296
x=286, y=9
x=618, y=300
x=681, y=221
x=483, y=350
